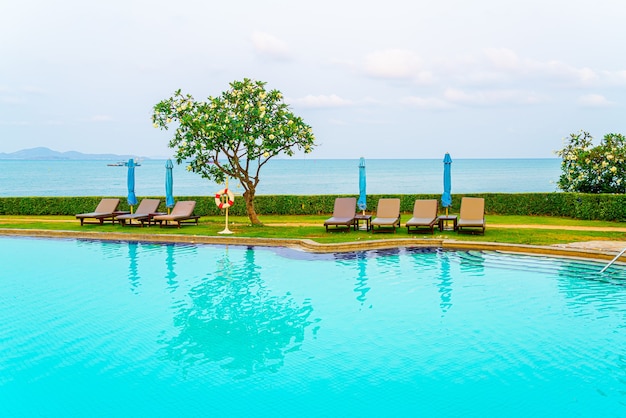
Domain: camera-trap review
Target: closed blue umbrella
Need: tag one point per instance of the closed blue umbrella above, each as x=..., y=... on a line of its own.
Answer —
x=446, y=197
x=362, y=202
x=130, y=180
x=169, y=185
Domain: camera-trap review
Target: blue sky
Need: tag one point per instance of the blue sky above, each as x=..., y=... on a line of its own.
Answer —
x=394, y=79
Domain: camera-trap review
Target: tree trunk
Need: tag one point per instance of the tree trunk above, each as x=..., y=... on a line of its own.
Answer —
x=248, y=196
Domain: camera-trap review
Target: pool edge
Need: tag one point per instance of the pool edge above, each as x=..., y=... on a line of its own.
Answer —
x=315, y=247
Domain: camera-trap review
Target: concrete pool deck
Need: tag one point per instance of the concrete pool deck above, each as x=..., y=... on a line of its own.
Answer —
x=598, y=250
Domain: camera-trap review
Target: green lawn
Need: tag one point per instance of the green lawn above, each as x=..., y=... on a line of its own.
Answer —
x=502, y=229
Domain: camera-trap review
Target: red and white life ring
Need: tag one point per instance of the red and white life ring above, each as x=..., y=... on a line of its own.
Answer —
x=220, y=202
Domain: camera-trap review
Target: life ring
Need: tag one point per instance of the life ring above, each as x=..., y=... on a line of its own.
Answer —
x=224, y=204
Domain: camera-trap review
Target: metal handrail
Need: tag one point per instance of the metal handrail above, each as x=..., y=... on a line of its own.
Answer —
x=613, y=261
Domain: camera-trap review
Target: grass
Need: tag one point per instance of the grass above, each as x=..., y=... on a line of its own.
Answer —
x=535, y=230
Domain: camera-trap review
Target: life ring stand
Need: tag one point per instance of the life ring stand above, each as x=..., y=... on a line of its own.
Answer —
x=219, y=201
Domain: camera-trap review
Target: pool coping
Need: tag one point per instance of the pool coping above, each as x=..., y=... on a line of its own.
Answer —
x=316, y=247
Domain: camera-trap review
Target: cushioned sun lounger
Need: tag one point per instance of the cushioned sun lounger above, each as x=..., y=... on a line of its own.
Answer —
x=142, y=214
x=343, y=213
x=387, y=215
x=104, y=211
x=182, y=213
x=472, y=215
x=424, y=216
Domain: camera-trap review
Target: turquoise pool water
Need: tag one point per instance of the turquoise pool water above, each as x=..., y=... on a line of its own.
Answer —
x=92, y=328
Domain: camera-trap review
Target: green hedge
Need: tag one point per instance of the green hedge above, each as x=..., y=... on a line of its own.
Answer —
x=610, y=207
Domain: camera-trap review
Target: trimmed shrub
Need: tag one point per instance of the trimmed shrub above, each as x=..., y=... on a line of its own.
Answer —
x=609, y=207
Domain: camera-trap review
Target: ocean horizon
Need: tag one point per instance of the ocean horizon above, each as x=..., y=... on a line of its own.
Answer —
x=295, y=176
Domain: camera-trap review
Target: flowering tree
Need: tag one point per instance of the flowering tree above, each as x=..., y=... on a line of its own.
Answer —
x=234, y=134
x=593, y=169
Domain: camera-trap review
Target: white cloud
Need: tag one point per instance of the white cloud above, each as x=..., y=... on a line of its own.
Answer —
x=397, y=64
x=271, y=46
x=432, y=103
x=491, y=97
x=594, y=100
x=507, y=62
x=614, y=77
x=504, y=59
x=321, y=101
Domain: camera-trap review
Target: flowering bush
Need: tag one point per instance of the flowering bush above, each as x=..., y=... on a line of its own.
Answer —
x=593, y=169
x=234, y=134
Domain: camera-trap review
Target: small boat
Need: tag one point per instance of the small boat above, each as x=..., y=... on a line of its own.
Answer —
x=123, y=164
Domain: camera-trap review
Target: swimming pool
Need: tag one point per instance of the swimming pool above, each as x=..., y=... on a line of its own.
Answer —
x=92, y=328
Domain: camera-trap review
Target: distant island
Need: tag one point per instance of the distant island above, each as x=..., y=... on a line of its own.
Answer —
x=43, y=153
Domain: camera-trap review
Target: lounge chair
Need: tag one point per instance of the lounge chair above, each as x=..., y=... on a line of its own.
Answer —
x=181, y=213
x=387, y=215
x=106, y=210
x=343, y=213
x=472, y=215
x=142, y=214
x=424, y=216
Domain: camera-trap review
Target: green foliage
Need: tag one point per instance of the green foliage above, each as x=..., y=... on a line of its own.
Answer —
x=607, y=207
x=233, y=135
x=593, y=169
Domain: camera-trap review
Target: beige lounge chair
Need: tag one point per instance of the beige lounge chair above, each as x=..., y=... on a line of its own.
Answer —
x=472, y=215
x=105, y=211
x=387, y=215
x=424, y=216
x=343, y=213
x=142, y=214
x=181, y=213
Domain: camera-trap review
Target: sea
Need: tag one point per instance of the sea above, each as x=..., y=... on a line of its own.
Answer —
x=296, y=176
